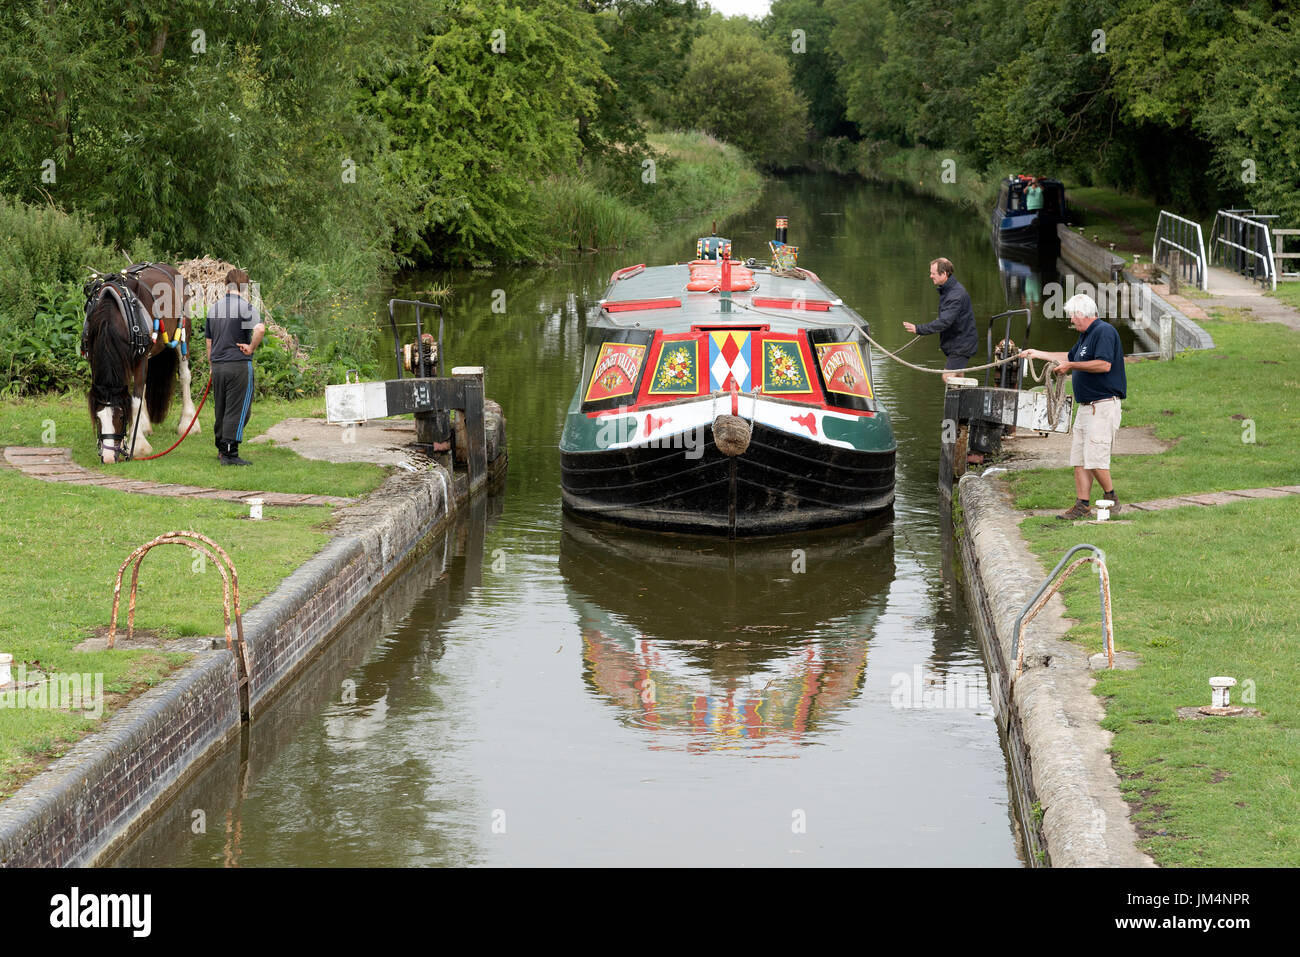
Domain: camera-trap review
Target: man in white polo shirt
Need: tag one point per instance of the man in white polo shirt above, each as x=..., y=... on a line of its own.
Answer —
x=1096, y=367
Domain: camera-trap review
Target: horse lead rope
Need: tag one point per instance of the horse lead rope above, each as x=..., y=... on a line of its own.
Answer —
x=158, y=455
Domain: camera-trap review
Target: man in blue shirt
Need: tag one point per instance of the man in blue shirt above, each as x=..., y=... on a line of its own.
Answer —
x=1096, y=367
x=956, y=322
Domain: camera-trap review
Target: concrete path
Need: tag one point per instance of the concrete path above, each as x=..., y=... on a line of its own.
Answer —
x=1231, y=291
x=56, y=465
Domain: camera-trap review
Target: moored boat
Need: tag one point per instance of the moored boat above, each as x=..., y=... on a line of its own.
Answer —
x=726, y=398
x=1018, y=228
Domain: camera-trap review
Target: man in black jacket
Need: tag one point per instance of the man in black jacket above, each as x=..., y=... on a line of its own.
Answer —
x=956, y=322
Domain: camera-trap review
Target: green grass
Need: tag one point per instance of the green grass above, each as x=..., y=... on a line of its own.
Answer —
x=1199, y=592
x=1196, y=594
x=588, y=217
x=696, y=179
x=63, y=421
x=1104, y=209
x=1288, y=290
x=943, y=174
x=63, y=545
x=1254, y=373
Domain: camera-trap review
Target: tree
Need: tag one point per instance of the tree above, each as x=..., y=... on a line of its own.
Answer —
x=735, y=87
x=204, y=126
x=487, y=111
x=802, y=30
x=1249, y=113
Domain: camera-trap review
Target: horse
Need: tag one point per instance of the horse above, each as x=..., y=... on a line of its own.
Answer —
x=136, y=337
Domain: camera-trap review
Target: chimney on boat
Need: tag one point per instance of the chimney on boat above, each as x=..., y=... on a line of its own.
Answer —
x=782, y=225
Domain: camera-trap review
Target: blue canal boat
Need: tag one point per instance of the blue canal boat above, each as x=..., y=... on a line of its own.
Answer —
x=1016, y=228
x=726, y=398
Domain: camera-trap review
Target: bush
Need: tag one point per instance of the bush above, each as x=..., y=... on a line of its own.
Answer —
x=43, y=354
x=40, y=245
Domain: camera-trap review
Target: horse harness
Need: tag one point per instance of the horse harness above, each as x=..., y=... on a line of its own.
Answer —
x=137, y=319
x=141, y=329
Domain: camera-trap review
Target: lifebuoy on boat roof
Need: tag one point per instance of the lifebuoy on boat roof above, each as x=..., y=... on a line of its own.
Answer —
x=706, y=275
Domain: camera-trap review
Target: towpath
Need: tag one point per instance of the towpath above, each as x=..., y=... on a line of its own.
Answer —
x=56, y=465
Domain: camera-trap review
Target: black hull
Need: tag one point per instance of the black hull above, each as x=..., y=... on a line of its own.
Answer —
x=780, y=484
x=1036, y=238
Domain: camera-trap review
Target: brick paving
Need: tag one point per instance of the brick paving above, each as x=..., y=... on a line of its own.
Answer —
x=56, y=465
x=1183, y=501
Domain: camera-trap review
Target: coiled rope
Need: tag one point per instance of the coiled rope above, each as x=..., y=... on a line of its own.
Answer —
x=1054, y=386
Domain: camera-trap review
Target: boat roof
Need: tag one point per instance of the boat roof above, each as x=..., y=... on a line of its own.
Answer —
x=640, y=299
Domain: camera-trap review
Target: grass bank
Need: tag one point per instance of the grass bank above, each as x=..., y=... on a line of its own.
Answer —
x=64, y=422
x=63, y=545
x=688, y=180
x=1230, y=410
x=943, y=174
x=1200, y=592
x=1108, y=216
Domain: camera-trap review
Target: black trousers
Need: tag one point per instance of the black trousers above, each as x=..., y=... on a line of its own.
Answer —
x=232, y=395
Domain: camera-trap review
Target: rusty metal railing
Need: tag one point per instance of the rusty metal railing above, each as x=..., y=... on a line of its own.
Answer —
x=1041, y=597
x=229, y=591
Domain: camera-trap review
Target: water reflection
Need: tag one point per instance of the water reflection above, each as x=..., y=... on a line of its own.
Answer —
x=335, y=772
x=725, y=645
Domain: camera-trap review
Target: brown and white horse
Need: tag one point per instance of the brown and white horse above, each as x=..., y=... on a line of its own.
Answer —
x=136, y=338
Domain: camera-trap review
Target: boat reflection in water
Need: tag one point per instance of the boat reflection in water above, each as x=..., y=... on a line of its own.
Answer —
x=1025, y=278
x=723, y=645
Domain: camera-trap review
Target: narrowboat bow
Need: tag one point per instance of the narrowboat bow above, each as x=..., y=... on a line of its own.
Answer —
x=726, y=398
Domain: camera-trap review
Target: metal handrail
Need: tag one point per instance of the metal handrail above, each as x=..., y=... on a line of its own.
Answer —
x=1184, y=229
x=1005, y=371
x=1035, y=604
x=1249, y=221
x=229, y=590
x=424, y=372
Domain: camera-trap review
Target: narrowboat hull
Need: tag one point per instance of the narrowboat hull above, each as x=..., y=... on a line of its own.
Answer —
x=726, y=400
x=780, y=484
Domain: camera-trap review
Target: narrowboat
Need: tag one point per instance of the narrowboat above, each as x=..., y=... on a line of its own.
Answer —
x=1017, y=228
x=726, y=398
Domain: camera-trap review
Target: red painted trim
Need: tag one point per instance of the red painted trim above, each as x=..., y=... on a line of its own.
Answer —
x=632, y=305
x=627, y=272
x=811, y=305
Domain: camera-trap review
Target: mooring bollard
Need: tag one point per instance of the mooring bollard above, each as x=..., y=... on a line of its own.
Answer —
x=5, y=677
x=254, y=508
x=1219, y=691
x=1104, y=505
x=1166, y=337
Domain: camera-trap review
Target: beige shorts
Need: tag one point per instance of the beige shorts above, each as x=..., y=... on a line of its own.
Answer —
x=1094, y=432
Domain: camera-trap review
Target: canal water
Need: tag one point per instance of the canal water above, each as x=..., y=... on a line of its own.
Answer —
x=540, y=691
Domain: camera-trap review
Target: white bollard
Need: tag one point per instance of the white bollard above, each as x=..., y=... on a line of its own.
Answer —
x=1219, y=691
x=5, y=677
x=254, y=508
x=1104, y=505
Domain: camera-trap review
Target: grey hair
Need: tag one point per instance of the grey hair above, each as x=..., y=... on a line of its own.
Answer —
x=1081, y=306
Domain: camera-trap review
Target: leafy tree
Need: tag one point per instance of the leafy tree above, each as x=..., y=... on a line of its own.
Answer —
x=737, y=88
x=488, y=109
x=814, y=59
x=647, y=43
x=1250, y=110
x=205, y=126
